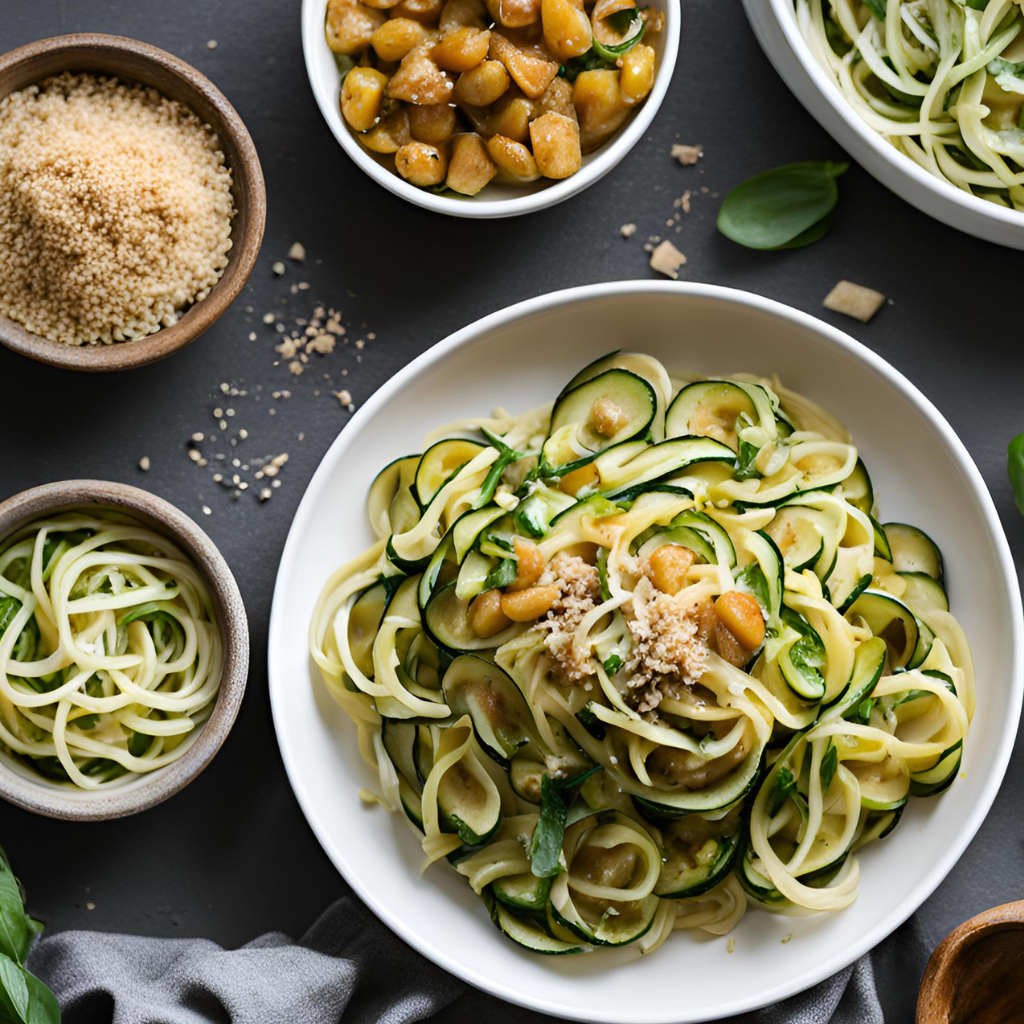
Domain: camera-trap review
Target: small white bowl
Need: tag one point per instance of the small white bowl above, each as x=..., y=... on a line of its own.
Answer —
x=496, y=200
x=774, y=22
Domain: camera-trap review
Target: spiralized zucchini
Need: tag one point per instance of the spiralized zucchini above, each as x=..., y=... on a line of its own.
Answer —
x=110, y=656
x=941, y=80
x=639, y=658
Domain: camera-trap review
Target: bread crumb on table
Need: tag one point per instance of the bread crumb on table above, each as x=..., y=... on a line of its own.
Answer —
x=854, y=300
x=667, y=259
x=627, y=230
x=297, y=252
x=687, y=155
x=144, y=463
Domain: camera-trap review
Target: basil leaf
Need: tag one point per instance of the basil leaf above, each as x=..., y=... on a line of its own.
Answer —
x=15, y=932
x=782, y=207
x=745, y=459
x=785, y=786
x=546, y=844
x=14, y=996
x=502, y=574
x=829, y=765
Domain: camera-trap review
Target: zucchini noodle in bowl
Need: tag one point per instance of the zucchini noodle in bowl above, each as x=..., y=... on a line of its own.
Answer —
x=643, y=657
x=110, y=654
x=941, y=80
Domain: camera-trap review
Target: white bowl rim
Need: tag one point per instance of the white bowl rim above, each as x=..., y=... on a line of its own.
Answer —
x=608, y=156
x=567, y=297
x=939, y=187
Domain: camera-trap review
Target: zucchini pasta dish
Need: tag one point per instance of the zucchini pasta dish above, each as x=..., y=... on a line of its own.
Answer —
x=941, y=80
x=644, y=656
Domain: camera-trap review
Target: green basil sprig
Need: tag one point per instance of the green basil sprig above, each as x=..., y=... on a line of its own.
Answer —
x=24, y=999
x=784, y=208
x=549, y=832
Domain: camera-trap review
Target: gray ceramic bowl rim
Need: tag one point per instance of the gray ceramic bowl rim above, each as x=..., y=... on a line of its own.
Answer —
x=143, y=791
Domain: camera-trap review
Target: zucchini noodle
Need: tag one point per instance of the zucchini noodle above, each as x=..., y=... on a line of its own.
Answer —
x=645, y=657
x=940, y=80
x=110, y=658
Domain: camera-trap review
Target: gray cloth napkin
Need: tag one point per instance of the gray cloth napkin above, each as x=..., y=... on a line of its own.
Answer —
x=349, y=968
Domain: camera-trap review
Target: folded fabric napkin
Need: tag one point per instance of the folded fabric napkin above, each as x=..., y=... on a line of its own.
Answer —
x=350, y=968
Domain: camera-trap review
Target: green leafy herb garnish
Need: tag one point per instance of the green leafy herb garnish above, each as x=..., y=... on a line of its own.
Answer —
x=746, y=458
x=546, y=844
x=784, y=208
x=829, y=766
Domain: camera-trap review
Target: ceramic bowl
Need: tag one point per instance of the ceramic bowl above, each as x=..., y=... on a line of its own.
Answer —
x=496, y=200
x=508, y=359
x=133, y=61
x=138, y=792
x=774, y=22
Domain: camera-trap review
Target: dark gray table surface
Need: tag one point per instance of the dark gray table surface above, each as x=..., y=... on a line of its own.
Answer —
x=231, y=856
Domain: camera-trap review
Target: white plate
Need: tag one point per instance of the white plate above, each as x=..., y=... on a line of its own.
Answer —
x=497, y=199
x=519, y=358
x=774, y=23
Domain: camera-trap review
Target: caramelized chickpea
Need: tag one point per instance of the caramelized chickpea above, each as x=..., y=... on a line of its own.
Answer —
x=457, y=13
x=511, y=116
x=532, y=73
x=461, y=49
x=485, y=615
x=530, y=561
x=527, y=605
x=601, y=107
x=389, y=134
x=349, y=26
x=567, y=29
x=741, y=615
x=556, y=145
x=426, y=12
x=397, y=37
x=608, y=416
x=421, y=164
x=669, y=565
x=514, y=13
x=636, y=79
x=483, y=85
x=361, y=96
x=469, y=167
x=419, y=80
x=513, y=160
x=434, y=123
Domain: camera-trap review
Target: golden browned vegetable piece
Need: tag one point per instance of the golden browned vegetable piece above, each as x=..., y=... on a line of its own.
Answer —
x=741, y=615
x=669, y=565
x=457, y=13
x=434, y=123
x=511, y=116
x=419, y=80
x=513, y=160
x=636, y=78
x=485, y=615
x=557, y=97
x=421, y=163
x=397, y=37
x=461, y=49
x=426, y=12
x=483, y=85
x=390, y=133
x=361, y=96
x=527, y=605
x=556, y=145
x=601, y=106
x=469, y=167
x=567, y=29
x=349, y=26
x=531, y=73
x=608, y=416
x=574, y=481
x=514, y=13
x=529, y=564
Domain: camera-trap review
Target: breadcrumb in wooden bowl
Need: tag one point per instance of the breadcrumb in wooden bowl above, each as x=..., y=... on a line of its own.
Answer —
x=196, y=263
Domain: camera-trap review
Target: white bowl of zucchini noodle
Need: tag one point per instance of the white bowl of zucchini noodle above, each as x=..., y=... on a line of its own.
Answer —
x=124, y=650
x=649, y=696
x=925, y=94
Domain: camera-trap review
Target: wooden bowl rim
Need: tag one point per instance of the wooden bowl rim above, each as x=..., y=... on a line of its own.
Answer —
x=940, y=975
x=247, y=183
x=142, y=791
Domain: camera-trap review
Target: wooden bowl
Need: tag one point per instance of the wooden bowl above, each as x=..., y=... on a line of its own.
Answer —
x=132, y=61
x=55, y=800
x=975, y=973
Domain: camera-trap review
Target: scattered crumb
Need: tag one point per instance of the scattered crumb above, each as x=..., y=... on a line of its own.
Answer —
x=297, y=252
x=627, y=230
x=687, y=155
x=295, y=367
x=278, y=268
x=212, y=44
x=90, y=906
x=854, y=300
x=345, y=397
x=786, y=938
x=207, y=511
x=269, y=318
x=667, y=260
x=684, y=201
x=266, y=494
x=730, y=946
x=144, y=463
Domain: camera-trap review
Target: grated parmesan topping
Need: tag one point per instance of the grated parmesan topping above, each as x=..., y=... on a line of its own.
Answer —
x=669, y=644
x=580, y=591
